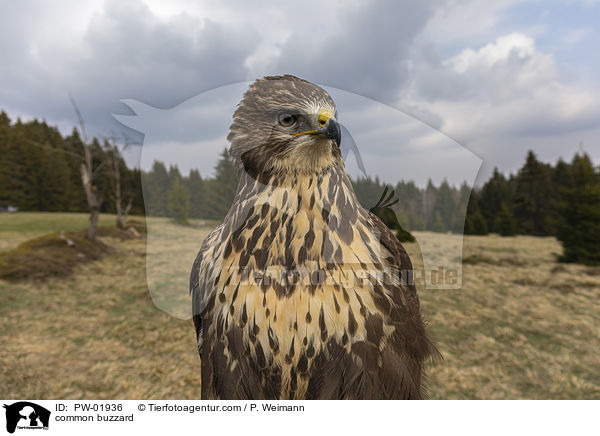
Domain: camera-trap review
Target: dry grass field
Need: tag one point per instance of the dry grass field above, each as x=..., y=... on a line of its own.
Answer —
x=522, y=326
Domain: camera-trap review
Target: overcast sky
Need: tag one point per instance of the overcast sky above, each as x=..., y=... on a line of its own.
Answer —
x=494, y=78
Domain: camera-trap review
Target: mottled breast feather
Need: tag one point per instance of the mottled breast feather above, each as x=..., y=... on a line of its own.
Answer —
x=303, y=294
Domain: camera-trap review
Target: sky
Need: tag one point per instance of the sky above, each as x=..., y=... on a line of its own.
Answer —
x=431, y=89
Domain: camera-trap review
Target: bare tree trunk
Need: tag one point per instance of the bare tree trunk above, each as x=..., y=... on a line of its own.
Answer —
x=93, y=224
x=117, y=189
x=93, y=199
x=127, y=209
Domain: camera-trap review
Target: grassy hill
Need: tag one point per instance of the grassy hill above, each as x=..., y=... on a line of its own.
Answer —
x=522, y=326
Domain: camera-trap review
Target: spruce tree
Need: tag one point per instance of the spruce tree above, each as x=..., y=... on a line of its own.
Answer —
x=178, y=202
x=53, y=188
x=73, y=146
x=579, y=213
x=444, y=208
x=429, y=199
x=221, y=190
x=195, y=187
x=505, y=224
x=475, y=222
x=561, y=178
x=532, y=205
x=156, y=186
x=478, y=224
x=493, y=193
x=438, y=224
x=367, y=190
x=464, y=193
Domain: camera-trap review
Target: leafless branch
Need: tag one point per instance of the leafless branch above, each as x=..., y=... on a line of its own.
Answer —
x=54, y=150
x=80, y=120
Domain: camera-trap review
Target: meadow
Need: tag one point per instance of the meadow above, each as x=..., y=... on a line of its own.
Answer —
x=522, y=326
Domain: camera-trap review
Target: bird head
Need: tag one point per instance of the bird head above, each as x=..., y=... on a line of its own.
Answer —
x=285, y=124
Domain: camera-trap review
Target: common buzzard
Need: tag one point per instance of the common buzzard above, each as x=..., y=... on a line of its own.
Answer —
x=301, y=293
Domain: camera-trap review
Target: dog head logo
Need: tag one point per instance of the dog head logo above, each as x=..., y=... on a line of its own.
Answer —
x=26, y=415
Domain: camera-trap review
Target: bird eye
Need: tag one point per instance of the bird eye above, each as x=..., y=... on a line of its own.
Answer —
x=287, y=120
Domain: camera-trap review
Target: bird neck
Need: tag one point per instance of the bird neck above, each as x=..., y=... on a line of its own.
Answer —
x=325, y=199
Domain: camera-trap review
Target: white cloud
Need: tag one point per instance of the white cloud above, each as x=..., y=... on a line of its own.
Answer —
x=575, y=36
x=124, y=50
x=460, y=21
x=494, y=97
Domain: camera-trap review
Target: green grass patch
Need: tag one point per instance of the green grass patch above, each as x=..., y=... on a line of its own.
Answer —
x=46, y=222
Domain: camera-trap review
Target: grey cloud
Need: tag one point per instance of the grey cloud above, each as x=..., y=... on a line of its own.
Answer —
x=366, y=52
x=125, y=52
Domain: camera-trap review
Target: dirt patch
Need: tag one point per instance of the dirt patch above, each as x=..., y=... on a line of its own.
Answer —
x=129, y=232
x=56, y=254
x=593, y=271
x=475, y=259
x=138, y=225
x=52, y=255
x=525, y=281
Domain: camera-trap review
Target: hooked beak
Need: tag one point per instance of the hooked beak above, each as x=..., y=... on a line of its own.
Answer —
x=331, y=131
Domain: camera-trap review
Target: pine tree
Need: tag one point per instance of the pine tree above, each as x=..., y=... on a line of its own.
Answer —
x=8, y=162
x=195, y=187
x=429, y=199
x=178, y=202
x=475, y=222
x=221, y=190
x=53, y=188
x=478, y=224
x=532, y=205
x=174, y=173
x=438, y=224
x=411, y=201
x=505, y=224
x=367, y=190
x=561, y=178
x=464, y=194
x=132, y=180
x=4, y=119
x=73, y=146
x=493, y=193
x=156, y=186
x=579, y=211
x=21, y=171
x=444, y=209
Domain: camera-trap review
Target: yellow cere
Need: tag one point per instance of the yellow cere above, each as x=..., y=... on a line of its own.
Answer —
x=324, y=117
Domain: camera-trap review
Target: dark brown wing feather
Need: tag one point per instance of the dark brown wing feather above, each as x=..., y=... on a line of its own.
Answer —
x=409, y=346
x=200, y=293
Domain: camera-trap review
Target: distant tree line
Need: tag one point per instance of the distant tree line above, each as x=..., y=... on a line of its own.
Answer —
x=537, y=200
x=533, y=201
x=39, y=172
x=561, y=200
